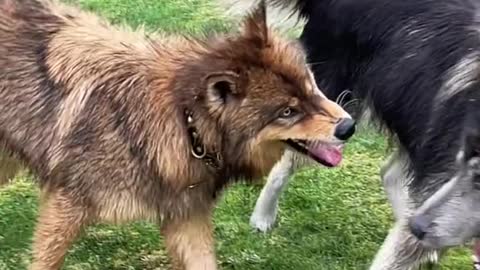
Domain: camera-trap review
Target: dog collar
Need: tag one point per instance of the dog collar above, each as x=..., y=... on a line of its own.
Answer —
x=199, y=151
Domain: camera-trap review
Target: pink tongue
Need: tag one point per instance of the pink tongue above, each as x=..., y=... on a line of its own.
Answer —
x=328, y=153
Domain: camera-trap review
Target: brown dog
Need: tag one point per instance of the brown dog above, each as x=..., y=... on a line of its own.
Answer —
x=119, y=127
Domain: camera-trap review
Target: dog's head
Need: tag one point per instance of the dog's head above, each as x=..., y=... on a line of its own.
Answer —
x=451, y=216
x=263, y=96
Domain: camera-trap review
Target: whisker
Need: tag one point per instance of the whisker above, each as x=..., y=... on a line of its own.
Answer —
x=351, y=102
x=342, y=96
x=316, y=63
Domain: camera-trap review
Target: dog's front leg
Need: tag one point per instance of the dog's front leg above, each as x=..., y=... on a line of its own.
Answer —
x=395, y=178
x=190, y=243
x=402, y=251
x=59, y=223
x=266, y=207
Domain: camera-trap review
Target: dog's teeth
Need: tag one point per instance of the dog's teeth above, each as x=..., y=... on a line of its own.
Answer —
x=299, y=143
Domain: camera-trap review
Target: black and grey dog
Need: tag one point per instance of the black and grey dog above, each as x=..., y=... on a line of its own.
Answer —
x=415, y=65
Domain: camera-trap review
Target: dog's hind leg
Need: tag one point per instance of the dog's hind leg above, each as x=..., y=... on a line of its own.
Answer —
x=59, y=224
x=190, y=242
x=402, y=251
x=266, y=207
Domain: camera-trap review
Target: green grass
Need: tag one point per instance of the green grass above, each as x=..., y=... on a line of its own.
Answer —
x=330, y=219
x=192, y=16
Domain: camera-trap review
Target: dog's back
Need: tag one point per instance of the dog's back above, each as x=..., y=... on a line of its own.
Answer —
x=54, y=60
x=65, y=79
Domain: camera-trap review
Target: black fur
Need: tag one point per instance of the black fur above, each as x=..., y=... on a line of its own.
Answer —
x=395, y=56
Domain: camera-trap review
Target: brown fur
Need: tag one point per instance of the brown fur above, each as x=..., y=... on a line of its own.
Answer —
x=97, y=113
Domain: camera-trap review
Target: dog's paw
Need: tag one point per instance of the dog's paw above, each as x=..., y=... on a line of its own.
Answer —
x=476, y=262
x=263, y=223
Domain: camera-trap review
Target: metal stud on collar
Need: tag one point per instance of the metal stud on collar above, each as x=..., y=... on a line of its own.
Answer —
x=199, y=150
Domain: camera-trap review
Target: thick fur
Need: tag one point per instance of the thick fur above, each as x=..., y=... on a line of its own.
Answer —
x=104, y=117
x=414, y=64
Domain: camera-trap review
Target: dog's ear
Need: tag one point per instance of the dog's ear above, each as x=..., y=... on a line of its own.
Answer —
x=255, y=27
x=221, y=87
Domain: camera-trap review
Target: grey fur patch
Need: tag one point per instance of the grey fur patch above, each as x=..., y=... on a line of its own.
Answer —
x=402, y=251
x=459, y=77
x=395, y=179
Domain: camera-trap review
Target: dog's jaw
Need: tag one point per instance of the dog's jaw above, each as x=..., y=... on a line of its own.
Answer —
x=327, y=154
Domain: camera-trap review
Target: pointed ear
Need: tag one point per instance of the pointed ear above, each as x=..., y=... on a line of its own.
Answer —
x=221, y=86
x=255, y=26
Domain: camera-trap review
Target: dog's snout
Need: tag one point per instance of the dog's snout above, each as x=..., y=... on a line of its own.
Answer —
x=345, y=129
x=419, y=226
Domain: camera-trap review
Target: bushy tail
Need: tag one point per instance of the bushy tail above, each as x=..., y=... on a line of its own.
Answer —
x=283, y=14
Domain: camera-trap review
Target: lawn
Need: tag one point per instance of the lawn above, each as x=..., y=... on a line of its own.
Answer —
x=329, y=218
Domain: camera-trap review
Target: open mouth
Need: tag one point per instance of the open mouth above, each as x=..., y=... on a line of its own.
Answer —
x=329, y=155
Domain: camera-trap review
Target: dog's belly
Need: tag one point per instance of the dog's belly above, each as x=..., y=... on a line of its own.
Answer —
x=118, y=207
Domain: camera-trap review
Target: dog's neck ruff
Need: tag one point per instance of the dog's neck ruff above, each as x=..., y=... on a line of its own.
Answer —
x=199, y=151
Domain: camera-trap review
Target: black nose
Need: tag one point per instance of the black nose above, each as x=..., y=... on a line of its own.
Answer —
x=418, y=226
x=345, y=129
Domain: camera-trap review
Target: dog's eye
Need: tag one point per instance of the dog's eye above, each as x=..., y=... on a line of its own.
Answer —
x=287, y=112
